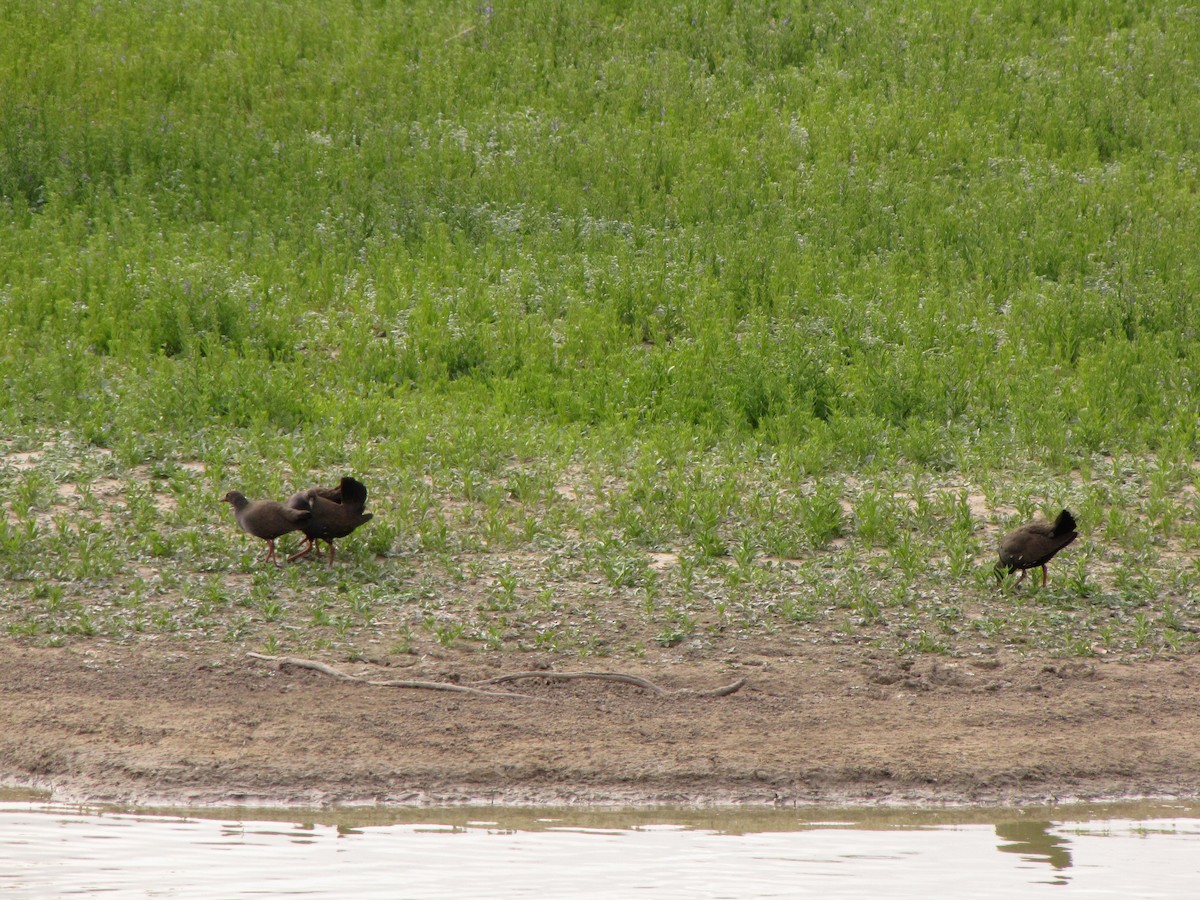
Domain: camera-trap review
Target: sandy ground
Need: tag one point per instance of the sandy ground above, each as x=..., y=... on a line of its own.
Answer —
x=832, y=725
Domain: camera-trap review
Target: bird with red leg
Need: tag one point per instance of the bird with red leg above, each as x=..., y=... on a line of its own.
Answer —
x=334, y=512
x=1032, y=546
x=266, y=519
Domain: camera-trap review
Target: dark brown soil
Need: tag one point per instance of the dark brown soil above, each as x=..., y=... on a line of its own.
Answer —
x=832, y=726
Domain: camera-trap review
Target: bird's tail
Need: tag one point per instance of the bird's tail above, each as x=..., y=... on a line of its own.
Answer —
x=354, y=494
x=1064, y=524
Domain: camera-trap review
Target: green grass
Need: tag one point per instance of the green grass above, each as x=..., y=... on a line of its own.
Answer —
x=646, y=324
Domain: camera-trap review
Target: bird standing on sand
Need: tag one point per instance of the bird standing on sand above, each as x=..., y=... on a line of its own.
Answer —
x=1034, y=545
x=266, y=519
x=335, y=512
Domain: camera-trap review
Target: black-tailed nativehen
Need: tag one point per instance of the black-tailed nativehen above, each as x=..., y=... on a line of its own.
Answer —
x=1035, y=544
x=335, y=513
x=266, y=519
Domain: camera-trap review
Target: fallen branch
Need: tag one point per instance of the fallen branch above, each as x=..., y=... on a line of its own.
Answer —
x=732, y=688
x=307, y=664
x=446, y=686
x=418, y=685
x=618, y=677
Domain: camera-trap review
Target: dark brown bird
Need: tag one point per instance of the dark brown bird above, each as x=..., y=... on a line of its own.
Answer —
x=1034, y=545
x=336, y=512
x=266, y=519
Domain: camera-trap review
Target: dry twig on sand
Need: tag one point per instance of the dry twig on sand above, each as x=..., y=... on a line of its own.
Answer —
x=419, y=685
x=618, y=677
x=621, y=678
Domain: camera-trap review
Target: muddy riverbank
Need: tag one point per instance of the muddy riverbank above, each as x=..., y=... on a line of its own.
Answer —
x=829, y=725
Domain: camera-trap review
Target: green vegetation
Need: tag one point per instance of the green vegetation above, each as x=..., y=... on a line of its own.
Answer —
x=647, y=325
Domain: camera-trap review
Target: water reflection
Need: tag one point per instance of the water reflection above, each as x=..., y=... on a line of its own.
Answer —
x=1117, y=850
x=724, y=820
x=1036, y=842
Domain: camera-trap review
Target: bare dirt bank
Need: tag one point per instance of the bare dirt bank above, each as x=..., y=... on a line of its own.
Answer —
x=832, y=726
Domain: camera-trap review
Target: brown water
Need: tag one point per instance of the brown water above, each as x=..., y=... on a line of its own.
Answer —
x=1125, y=850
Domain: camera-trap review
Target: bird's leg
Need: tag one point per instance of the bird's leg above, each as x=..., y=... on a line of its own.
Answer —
x=1043, y=575
x=1020, y=578
x=309, y=543
x=330, y=543
x=270, y=557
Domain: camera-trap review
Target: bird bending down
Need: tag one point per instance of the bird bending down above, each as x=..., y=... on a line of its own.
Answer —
x=266, y=519
x=335, y=513
x=1034, y=545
